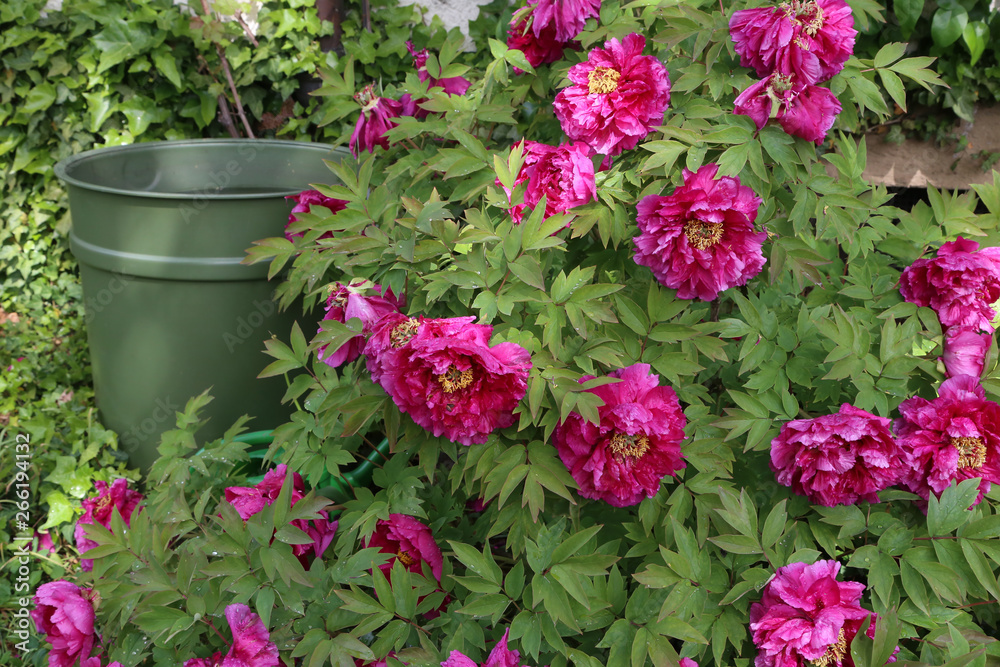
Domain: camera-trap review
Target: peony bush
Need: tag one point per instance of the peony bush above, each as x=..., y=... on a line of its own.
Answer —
x=663, y=379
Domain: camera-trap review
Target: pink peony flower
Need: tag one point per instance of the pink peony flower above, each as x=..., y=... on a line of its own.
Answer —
x=306, y=200
x=837, y=459
x=95, y=661
x=214, y=661
x=252, y=645
x=624, y=458
x=802, y=110
x=99, y=510
x=563, y=174
x=410, y=541
x=384, y=662
x=811, y=40
x=500, y=656
x=960, y=284
x=566, y=18
x=64, y=613
x=43, y=542
x=700, y=240
x=453, y=85
x=249, y=500
x=950, y=439
x=618, y=96
x=349, y=301
x=803, y=614
x=377, y=114
x=444, y=374
x=965, y=351
x=687, y=662
x=539, y=49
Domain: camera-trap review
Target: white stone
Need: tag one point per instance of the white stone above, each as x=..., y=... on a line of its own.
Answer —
x=453, y=13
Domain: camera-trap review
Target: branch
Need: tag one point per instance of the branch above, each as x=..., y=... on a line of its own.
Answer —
x=229, y=74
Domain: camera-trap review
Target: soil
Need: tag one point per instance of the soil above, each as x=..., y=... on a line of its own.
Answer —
x=917, y=164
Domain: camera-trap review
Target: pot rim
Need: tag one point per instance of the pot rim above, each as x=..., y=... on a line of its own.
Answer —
x=64, y=167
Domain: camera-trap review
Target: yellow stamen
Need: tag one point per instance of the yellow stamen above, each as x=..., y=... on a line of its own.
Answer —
x=702, y=235
x=835, y=654
x=633, y=446
x=809, y=15
x=402, y=333
x=406, y=559
x=971, y=452
x=602, y=80
x=453, y=379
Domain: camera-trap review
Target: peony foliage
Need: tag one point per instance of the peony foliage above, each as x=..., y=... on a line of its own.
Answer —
x=671, y=409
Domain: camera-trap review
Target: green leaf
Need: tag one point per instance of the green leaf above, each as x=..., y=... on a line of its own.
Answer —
x=866, y=93
x=894, y=86
x=952, y=510
x=980, y=567
x=737, y=544
x=977, y=37
x=471, y=558
x=889, y=54
x=166, y=64
x=121, y=40
x=948, y=23
x=485, y=605
x=60, y=510
x=774, y=525
x=907, y=13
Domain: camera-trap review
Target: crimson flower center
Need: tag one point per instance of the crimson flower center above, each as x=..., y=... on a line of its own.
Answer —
x=702, y=235
x=835, y=654
x=406, y=559
x=633, y=446
x=402, y=333
x=971, y=452
x=453, y=379
x=601, y=80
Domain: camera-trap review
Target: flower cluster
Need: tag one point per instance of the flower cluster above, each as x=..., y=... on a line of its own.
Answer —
x=955, y=436
x=379, y=114
x=544, y=28
x=446, y=376
x=793, y=46
x=949, y=439
x=840, y=459
x=623, y=458
x=806, y=616
x=346, y=302
x=250, y=500
x=99, y=510
x=701, y=240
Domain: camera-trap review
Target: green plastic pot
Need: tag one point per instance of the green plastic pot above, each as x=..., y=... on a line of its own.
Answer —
x=160, y=230
x=339, y=488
